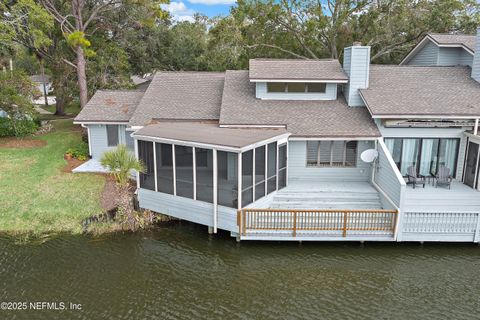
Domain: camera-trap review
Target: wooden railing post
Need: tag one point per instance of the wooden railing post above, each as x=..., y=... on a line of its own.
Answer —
x=345, y=223
x=294, y=223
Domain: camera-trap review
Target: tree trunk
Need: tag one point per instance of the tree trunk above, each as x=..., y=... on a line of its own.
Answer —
x=42, y=72
x=60, y=105
x=82, y=76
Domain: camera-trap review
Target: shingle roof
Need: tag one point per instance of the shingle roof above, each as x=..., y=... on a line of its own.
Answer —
x=181, y=95
x=455, y=39
x=417, y=90
x=302, y=118
x=209, y=133
x=110, y=106
x=296, y=69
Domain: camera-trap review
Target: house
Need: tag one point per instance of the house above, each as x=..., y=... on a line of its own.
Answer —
x=301, y=150
x=42, y=83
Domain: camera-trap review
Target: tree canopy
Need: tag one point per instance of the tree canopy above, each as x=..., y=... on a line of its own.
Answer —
x=87, y=45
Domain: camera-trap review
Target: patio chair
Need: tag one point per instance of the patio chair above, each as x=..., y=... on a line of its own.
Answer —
x=414, y=178
x=443, y=177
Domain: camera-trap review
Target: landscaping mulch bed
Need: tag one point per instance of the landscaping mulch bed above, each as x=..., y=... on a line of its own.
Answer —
x=72, y=164
x=21, y=143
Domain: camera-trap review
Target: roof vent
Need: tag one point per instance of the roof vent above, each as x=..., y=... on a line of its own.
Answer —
x=357, y=44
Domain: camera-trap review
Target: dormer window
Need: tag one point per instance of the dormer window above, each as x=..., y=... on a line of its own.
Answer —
x=296, y=87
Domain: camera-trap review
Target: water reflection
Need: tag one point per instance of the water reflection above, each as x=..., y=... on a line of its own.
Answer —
x=178, y=271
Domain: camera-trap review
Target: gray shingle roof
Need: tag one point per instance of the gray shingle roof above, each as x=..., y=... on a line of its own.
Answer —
x=209, y=133
x=296, y=69
x=455, y=39
x=181, y=95
x=417, y=90
x=302, y=118
x=110, y=106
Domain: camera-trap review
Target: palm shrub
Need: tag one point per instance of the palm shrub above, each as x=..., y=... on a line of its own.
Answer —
x=120, y=162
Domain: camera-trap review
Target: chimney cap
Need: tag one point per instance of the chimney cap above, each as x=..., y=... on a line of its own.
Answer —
x=357, y=43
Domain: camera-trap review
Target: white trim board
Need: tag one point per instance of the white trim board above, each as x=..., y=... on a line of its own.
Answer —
x=299, y=80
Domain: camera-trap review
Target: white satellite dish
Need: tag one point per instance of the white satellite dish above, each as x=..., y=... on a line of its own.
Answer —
x=369, y=155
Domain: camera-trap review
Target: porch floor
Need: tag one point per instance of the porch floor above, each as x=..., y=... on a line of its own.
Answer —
x=460, y=198
x=91, y=165
x=322, y=195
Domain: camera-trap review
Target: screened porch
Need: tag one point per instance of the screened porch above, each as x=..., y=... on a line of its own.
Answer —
x=223, y=167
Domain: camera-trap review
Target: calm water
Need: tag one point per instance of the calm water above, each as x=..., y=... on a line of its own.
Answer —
x=177, y=272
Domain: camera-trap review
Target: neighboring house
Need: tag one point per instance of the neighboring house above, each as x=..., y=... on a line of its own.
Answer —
x=280, y=152
x=43, y=84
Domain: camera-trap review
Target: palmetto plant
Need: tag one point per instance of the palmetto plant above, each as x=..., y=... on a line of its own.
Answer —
x=120, y=162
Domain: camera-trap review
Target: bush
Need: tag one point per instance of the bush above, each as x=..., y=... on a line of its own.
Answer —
x=80, y=152
x=23, y=127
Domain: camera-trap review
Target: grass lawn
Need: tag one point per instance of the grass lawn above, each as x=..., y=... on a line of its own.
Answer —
x=36, y=197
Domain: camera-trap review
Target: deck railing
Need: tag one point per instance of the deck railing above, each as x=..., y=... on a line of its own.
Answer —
x=316, y=220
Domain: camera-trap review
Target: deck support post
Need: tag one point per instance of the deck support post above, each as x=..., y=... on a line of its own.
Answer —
x=210, y=230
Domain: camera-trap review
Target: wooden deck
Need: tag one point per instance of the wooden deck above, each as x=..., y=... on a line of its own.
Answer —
x=460, y=198
x=302, y=195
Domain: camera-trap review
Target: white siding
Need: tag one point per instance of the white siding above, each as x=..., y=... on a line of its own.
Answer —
x=98, y=139
x=298, y=170
x=187, y=209
x=386, y=177
x=330, y=93
x=432, y=55
x=476, y=59
x=426, y=56
x=357, y=67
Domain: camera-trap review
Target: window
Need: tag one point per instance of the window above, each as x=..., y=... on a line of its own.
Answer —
x=282, y=166
x=259, y=172
x=247, y=177
x=112, y=135
x=275, y=87
x=296, y=87
x=227, y=184
x=184, y=171
x=145, y=154
x=164, y=167
x=316, y=87
x=204, y=171
x=426, y=154
x=336, y=153
x=272, y=167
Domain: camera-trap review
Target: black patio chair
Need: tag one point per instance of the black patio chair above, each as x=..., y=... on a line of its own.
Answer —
x=414, y=178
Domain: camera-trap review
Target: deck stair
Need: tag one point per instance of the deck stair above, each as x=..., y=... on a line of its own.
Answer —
x=292, y=198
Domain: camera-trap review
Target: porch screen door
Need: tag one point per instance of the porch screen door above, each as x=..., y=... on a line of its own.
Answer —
x=471, y=165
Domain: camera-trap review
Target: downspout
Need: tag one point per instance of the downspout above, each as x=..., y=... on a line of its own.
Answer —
x=88, y=135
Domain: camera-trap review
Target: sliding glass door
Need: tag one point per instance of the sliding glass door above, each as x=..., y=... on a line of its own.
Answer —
x=426, y=155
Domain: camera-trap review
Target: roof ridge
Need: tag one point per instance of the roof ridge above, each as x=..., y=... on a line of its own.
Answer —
x=293, y=59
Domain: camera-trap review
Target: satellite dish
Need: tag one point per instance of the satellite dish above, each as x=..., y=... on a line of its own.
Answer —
x=369, y=155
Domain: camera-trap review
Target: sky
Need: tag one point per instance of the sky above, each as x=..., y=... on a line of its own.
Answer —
x=183, y=10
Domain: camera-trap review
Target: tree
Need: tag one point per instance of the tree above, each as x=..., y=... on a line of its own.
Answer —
x=16, y=94
x=79, y=18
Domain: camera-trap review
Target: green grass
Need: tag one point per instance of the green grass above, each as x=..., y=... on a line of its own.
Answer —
x=71, y=109
x=36, y=197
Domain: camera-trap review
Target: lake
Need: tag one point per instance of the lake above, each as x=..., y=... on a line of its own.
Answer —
x=178, y=271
